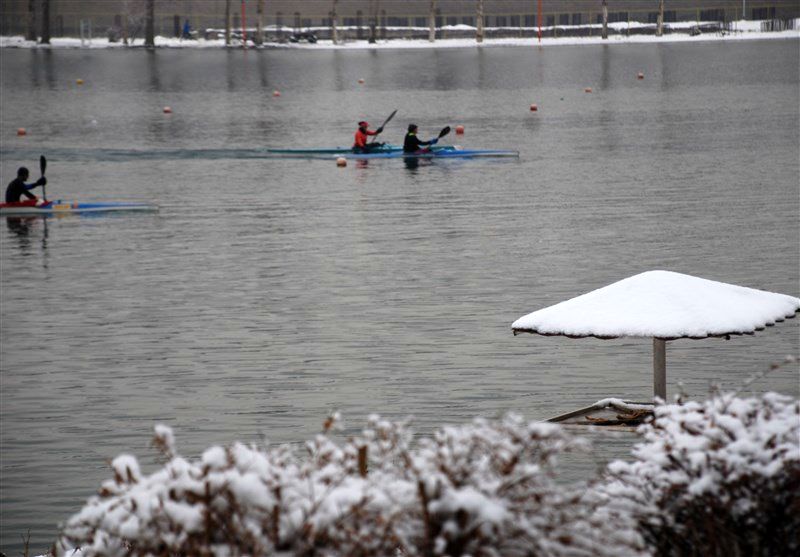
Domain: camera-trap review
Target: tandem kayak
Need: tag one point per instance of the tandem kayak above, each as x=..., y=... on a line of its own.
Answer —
x=387, y=148
x=59, y=207
x=442, y=154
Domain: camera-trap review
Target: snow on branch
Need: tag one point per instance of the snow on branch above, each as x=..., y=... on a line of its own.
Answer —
x=486, y=488
x=716, y=477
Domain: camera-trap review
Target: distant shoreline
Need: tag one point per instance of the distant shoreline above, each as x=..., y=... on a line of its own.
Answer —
x=19, y=41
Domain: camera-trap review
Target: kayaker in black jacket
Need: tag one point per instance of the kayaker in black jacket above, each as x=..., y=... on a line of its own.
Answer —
x=17, y=188
x=412, y=144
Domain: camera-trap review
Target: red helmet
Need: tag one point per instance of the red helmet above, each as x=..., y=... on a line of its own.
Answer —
x=363, y=124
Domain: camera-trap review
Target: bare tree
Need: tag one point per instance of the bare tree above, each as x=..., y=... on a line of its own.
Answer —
x=373, y=21
x=30, y=34
x=45, y=21
x=149, y=26
x=334, y=23
x=227, y=22
x=605, y=20
x=479, y=22
x=134, y=19
x=432, y=22
x=660, y=25
x=260, y=22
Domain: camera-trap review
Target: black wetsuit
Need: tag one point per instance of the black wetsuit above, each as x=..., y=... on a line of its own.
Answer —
x=412, y=144
x=17, y=188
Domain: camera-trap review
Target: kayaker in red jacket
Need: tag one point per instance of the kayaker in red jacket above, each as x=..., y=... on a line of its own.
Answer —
x=362, y=133
x=17, y=188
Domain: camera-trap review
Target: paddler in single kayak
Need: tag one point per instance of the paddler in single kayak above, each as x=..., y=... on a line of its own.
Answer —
x=362, y=134
x=413, y=144
x=17, y=188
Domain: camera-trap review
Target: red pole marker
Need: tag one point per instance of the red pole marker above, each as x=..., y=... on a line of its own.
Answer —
x=539, y=18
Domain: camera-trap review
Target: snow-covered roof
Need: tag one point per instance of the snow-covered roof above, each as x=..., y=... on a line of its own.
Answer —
x=664, y=305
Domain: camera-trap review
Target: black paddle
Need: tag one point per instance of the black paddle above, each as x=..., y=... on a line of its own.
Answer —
x=444, y=132
x=387, y=120
x=384, y=125
x=42, y=168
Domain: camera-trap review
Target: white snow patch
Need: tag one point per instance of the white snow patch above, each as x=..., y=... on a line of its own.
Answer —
x=662, y=304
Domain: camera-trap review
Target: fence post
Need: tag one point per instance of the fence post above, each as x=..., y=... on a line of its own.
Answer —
x=660, y=368
x=605, y=20
x=362, y=461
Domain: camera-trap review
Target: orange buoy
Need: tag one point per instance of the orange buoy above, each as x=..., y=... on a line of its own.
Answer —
x=276, y=93
x=22, y=131
x=167, y=110
x=587, y=90
x=460, y=129
x=79, y=81
x=534, y=108
x=361, y=81
x=341, y=161
x=640, y=75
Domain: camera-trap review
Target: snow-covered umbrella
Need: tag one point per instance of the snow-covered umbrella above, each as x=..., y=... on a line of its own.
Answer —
x=662, y=305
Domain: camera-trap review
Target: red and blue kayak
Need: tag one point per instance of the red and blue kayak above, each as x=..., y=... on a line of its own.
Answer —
x=344, y=151
x=454, y=153
x=59, y=207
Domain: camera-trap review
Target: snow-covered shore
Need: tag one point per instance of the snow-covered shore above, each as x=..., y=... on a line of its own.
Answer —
x=742, y=30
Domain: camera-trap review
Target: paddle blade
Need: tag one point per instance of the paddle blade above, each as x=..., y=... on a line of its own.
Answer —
x=42, y=164
x=444, y=132
x=389, y=118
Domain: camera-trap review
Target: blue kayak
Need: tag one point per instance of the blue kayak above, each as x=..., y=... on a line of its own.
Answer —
x=59, y=207
x=387, y=148
x=453, y=153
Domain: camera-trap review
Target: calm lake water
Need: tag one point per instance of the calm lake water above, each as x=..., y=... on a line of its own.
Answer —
x=267, y=293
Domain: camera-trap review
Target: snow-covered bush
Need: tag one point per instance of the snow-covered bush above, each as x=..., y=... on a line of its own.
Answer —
x=716, y=478
x=483, y=489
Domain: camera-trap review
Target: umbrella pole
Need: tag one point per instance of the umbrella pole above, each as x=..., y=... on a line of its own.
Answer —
x=660, y=368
